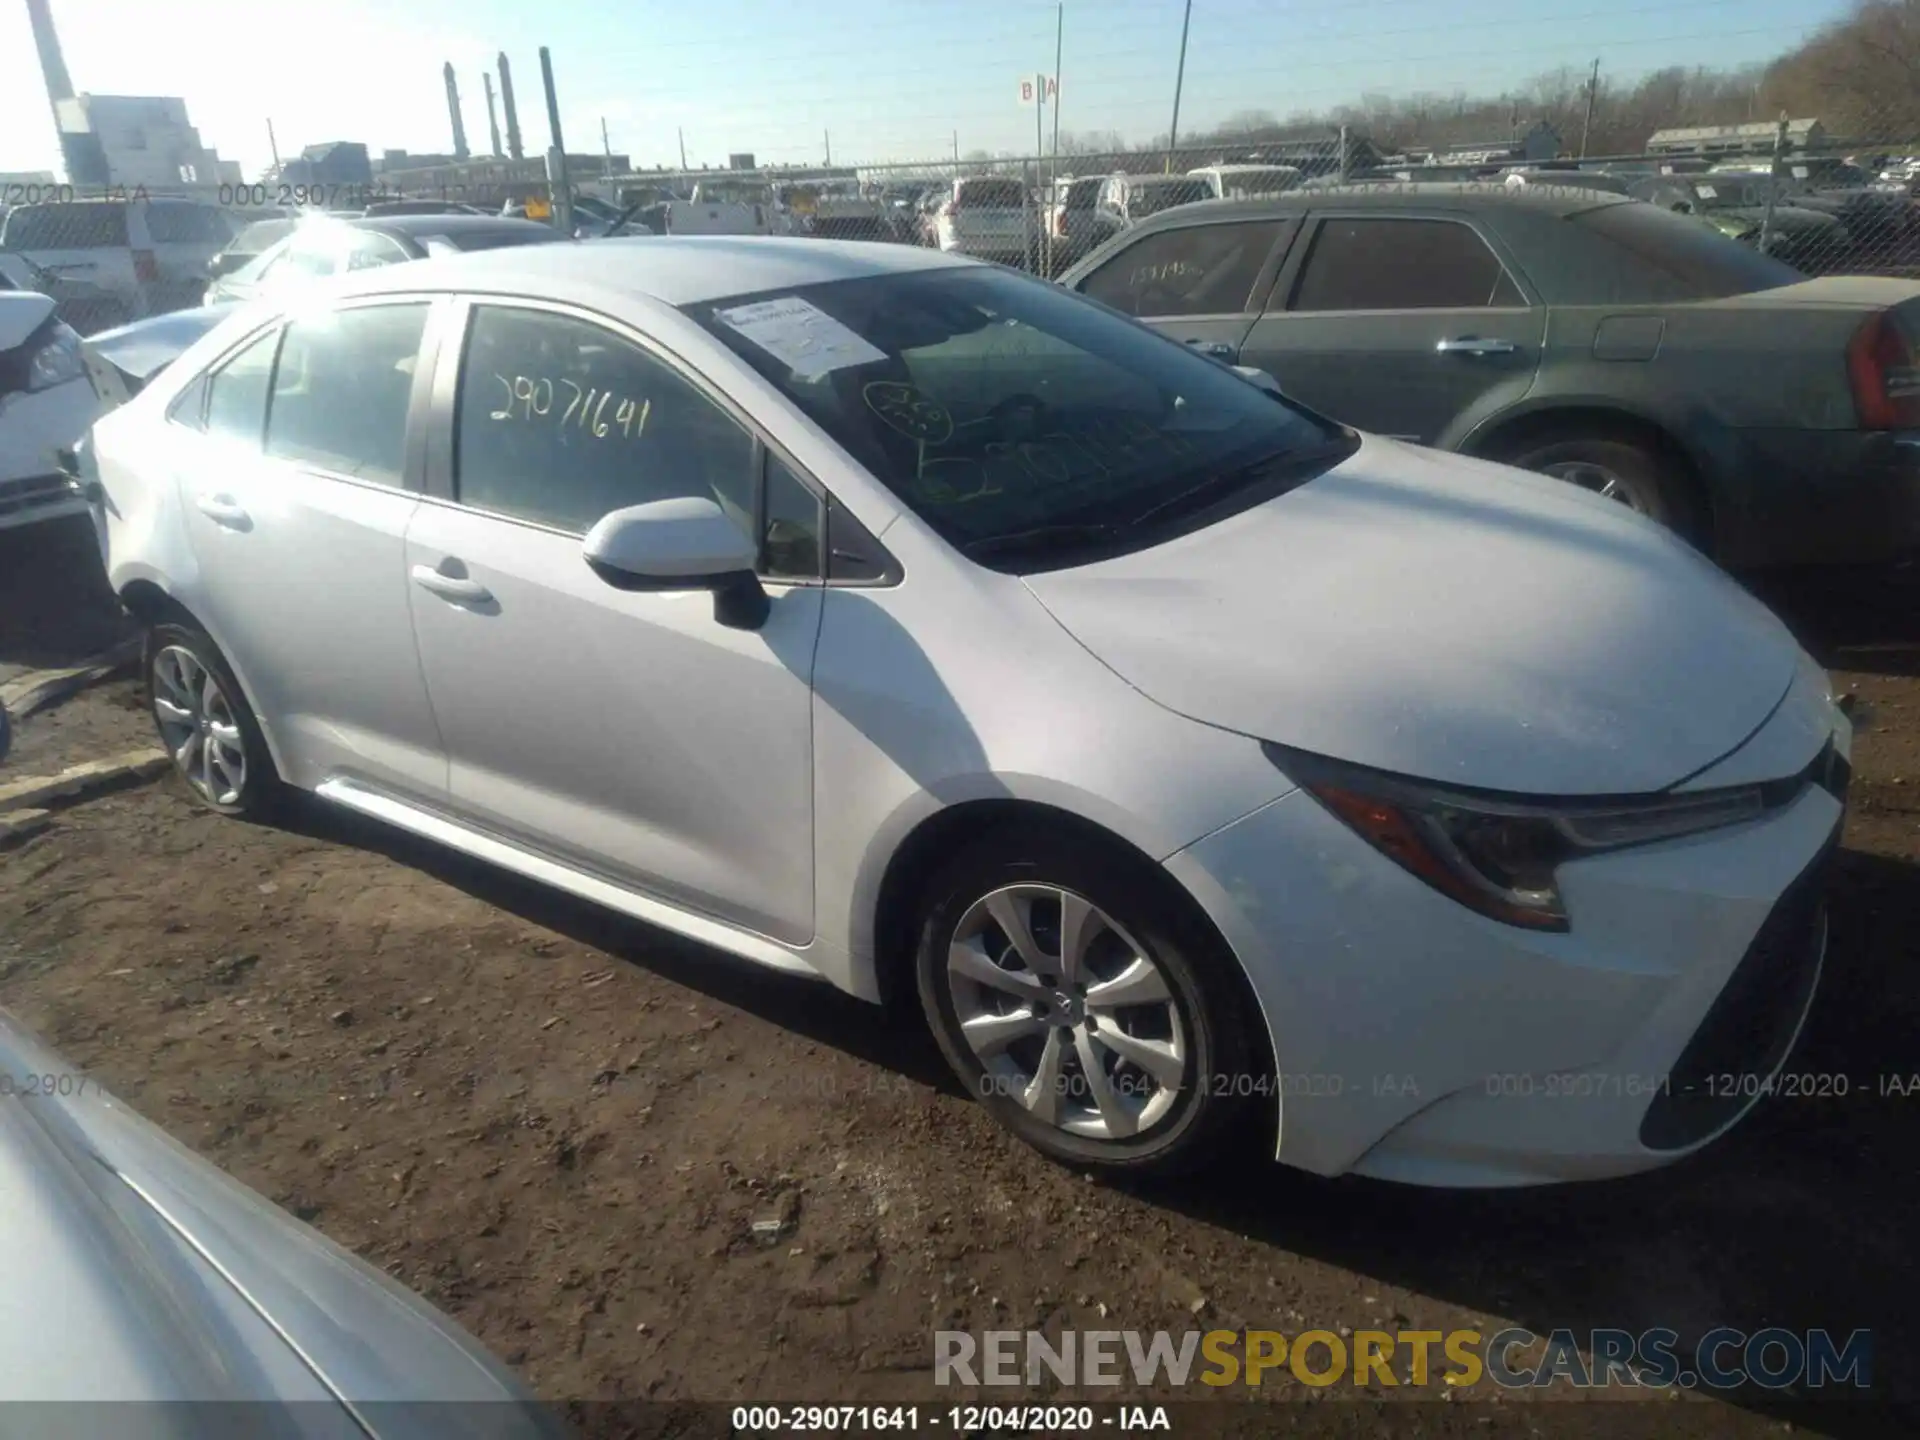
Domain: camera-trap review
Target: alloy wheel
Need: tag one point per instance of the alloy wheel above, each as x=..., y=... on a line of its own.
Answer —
x=198, y=725
x=1601, y=481
x=1066, y=1012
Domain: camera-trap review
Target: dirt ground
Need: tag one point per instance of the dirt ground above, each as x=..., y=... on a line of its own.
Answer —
x=560, y=1126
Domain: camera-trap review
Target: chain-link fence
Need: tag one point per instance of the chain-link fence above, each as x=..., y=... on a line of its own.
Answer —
x=1822, y=205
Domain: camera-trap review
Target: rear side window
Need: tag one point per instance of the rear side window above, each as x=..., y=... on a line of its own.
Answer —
x=258, y=236
x=1675, y=250
x=1191, y=270
x=314, y=255
x=342, y=388
x=98, y=226
x=560, y=422
x=237, y=394
x=1394, y=264
x=187, y=225
x=370, y=251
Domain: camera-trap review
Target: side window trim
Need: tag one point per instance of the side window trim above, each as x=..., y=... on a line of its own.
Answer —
x=455, y=333
x=1321, y=218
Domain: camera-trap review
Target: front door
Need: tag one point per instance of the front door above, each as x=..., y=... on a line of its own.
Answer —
x=1398, y=325
x=297, y=500
x=632, y=735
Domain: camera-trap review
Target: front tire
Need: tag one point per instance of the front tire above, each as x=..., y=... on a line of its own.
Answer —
x=206, y=725
x=1082, y=1007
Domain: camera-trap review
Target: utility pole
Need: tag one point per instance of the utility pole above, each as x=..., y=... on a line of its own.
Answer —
x=274, y=146
x=1773, y=182
x=827, y=137
x=683, y=148
x=1593, y=89
x=606, y=147
x=1179, y=79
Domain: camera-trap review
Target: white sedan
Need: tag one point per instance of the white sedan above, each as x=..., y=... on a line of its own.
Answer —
x=905, y=622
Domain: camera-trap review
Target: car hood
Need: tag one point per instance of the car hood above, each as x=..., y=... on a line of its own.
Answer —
x=1443, y=618
x=188, y=1287
x=21, y=313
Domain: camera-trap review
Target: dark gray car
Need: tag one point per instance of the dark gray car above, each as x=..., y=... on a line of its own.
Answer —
x=1768, y=417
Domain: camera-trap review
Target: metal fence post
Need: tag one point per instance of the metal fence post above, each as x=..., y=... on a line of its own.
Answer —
x=1773, y=181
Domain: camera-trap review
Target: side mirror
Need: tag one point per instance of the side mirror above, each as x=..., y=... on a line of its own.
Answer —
x=686, y=543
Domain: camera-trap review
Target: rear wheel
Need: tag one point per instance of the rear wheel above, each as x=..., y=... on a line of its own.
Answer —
x=1081, y=1008
x=205, y=723
x=1628, y=472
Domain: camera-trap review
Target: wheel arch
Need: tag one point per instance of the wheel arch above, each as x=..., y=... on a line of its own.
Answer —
x=938, y=836
x=1511, y=432
x=151, y=603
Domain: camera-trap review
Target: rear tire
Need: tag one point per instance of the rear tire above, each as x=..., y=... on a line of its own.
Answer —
x=1628, y=471
x=1124, y=1053
x=205, y=723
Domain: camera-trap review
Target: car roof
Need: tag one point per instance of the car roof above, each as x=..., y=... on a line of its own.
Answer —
x=451, y=225
x=1398, y=195
x=676, y=270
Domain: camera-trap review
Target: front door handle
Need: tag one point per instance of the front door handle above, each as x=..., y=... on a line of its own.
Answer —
x=457, y=588
x=223, y=510
x=1474, y=345
x=1218, y=349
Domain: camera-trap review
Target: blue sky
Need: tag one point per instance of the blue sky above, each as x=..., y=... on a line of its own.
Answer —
x=888, y=81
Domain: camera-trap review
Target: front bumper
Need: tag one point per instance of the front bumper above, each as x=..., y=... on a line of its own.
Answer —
x=1820, y=497
x=34, y=426
x=1418, y=1041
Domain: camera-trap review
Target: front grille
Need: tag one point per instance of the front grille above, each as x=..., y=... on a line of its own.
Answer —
x=33, y=493
x=1746, y=1033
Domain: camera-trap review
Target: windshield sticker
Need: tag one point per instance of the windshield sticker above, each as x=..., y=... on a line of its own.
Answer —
x=905, y=409
x=1705, y=192
x=800, y=335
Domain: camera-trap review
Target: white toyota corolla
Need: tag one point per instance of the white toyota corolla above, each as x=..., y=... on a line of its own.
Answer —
x=906, y=622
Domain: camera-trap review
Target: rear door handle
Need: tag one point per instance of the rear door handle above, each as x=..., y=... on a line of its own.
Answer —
x=223, y=510
x=1474, y=345
x=1218, y=349
x=457, y=588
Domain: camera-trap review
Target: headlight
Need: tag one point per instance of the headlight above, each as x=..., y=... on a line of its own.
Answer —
x=57, y=361
x=1497, y=855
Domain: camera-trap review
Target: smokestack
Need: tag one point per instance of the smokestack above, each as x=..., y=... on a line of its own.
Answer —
x=53, y=65
x=493, y=120
x=453, y=110
x=514, y=149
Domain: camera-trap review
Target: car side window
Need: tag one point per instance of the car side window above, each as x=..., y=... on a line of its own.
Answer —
x=1189, y=270
x=342, y=389
x=1402, y=264
x=369, y=251
x=790, y=537
x=560, y=422
x=237, y=393
x=313, y=255
x=189, y=407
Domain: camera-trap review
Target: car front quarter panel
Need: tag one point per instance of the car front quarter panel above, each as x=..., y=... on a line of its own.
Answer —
x=915, y=714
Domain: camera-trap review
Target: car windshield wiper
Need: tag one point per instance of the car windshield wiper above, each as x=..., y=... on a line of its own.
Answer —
x=1040, y=540
x=1296, y=465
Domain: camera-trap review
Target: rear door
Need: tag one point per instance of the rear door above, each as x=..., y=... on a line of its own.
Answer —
x=1199, y=283
x=296, y=503
x=1397, y=323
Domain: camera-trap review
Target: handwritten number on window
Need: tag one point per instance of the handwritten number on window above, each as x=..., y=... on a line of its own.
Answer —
x=534, y=397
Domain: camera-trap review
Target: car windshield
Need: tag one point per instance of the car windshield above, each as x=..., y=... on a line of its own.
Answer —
x=1150, y=197
x=1003, y=410
x=1709, y=264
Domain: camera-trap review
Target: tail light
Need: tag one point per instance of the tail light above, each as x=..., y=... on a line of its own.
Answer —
x=1886, y=382
x=145, y=268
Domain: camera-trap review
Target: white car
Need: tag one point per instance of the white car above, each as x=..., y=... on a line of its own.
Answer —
x=906, y=622
x=46, y=405
x=988, y=217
